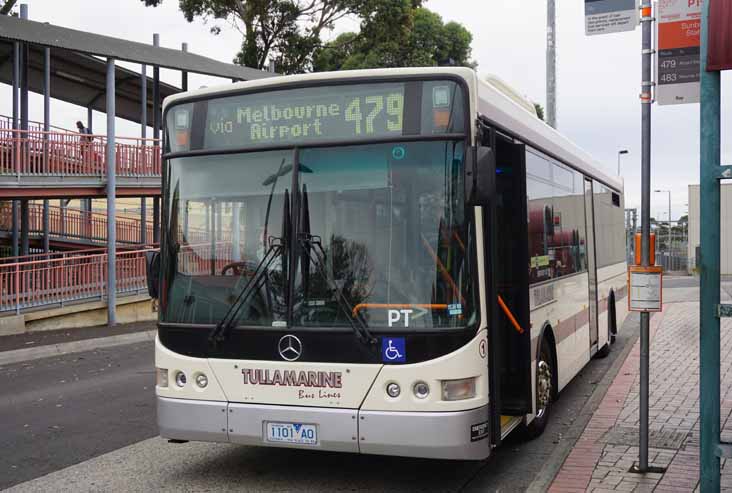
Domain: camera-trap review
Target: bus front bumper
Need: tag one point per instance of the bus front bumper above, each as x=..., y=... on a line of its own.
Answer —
x=460, y=435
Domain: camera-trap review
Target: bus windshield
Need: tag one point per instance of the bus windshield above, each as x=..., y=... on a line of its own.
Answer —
x=321, y=234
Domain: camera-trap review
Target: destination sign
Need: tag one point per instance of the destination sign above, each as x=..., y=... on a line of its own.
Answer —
x=301, y=115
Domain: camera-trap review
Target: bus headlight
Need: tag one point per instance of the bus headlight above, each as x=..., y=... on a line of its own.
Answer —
x=180, y=379
x=161, y=377
x=201, y=380
x=393, y=390
x=458, y=390
x=421, y=390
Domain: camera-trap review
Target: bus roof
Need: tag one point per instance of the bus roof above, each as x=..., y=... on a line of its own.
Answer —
x=499, y=108
x=503, y=111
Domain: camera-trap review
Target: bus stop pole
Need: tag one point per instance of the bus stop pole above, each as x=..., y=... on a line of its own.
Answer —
x=646, y=102
x=709, y=344
x=111, y=198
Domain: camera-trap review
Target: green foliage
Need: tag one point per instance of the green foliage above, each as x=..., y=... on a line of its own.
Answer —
x=539, y=111
x=7, y=7
x=285, y=31
x=393, y=33
x=397, y=33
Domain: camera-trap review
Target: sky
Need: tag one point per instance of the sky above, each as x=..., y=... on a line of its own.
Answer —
x=598, y=78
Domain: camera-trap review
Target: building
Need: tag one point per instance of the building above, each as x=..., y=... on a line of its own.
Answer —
x=725, y=265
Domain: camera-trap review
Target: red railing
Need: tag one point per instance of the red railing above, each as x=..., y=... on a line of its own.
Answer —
x=195, y=260
x=51, y=255
x=38, y=153
x=37, y=283
x=77, y=224
x=6, y=123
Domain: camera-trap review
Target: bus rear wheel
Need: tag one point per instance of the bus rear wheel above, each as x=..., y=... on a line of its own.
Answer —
x=544, y=390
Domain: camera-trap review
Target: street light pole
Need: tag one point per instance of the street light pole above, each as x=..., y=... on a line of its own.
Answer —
x=620, y=152
x=551, y=64
x=669, y=224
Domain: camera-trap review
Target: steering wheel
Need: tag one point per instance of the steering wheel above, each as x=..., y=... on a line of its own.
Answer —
x=237, y=268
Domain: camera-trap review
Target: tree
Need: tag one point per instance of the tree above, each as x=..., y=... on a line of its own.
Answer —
x=284, y=31
x=7, y=6
x=397, y=33
x=539, y=111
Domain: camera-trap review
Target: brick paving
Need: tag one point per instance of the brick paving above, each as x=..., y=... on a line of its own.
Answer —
x=608, y=447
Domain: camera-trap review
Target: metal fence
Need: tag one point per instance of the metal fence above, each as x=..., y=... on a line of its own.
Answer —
x=671, y=252
x=38, y=153
x=68, y=278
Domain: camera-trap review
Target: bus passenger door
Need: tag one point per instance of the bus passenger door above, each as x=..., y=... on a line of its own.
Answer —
x=511, y=339
x=591, y=263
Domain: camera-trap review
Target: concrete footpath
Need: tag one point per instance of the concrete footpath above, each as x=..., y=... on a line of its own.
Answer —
x=44, y=344
x=608, y=447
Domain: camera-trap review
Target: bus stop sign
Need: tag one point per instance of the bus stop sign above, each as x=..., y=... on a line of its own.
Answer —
x=610, y=16
x=645, y=288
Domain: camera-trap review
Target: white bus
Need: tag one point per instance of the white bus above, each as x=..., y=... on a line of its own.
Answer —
x=402, y=262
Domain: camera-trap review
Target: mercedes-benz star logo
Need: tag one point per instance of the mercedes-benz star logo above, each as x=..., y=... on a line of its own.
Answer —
x=290, y=347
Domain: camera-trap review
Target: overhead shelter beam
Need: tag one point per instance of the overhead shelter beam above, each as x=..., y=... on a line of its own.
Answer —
x=80, y=80
x=44, y=34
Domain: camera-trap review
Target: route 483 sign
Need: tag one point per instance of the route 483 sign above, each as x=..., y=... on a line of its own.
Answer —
x=679, y=29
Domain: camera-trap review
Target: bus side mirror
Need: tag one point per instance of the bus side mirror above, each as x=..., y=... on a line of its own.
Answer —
x=152, y=269
x=480, y=175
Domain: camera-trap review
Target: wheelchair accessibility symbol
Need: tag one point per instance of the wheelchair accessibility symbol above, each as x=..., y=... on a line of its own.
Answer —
x=393, y=350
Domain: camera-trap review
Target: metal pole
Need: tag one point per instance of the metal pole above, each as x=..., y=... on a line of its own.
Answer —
x=46, y=232
x=646, y=101
x=16, y=109
x=62, y=214
x=89, y=119
x=156, y=220
x=156, y=93
x=16, y=83
x=143, y=220
x=143, y=134
x=46, y=101
x=24, y=75
x=551, y=64
x=669, y=229
x=184, y=74
x=709, y=344
x=111, y=197
x=14, y=233
x=24, y=226
x=143, y=102
x=235, y=231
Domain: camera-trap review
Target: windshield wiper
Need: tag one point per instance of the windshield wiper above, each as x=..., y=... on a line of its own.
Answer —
x=222, y=329
x=313, y=248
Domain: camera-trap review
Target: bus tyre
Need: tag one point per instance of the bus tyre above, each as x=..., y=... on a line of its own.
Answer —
x=611, y=330
x=544, y=389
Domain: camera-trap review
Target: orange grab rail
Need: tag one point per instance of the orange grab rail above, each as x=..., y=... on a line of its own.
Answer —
x=510, y=316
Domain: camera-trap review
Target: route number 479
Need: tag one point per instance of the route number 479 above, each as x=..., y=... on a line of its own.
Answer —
x=363, y=116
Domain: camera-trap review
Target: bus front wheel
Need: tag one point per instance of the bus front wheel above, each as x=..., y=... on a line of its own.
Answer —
x=544, y=389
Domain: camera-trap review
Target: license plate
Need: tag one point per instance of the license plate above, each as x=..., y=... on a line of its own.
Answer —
x=292, y=433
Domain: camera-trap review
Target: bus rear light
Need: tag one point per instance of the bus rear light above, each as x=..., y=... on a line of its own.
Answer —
x=458, y=390
x=161, y=377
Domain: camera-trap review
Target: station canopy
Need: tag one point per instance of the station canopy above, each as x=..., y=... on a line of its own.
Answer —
x=78, y=76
